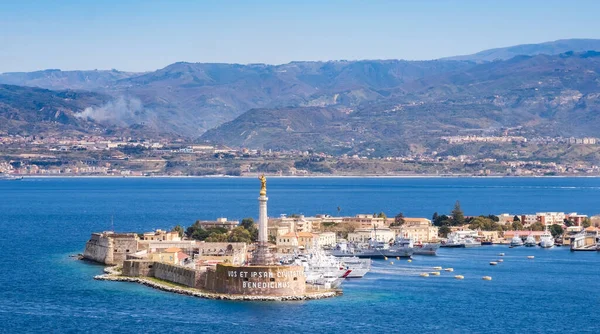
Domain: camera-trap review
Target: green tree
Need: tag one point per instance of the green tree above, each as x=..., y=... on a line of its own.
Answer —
x=240, y=234
x=398, y=220
x=556, y=230
x=444, y=231
x=568, y=223
x=217, y=237
x=434, y=217
x=458, y=217
x=250, y=226
x=537, y=226
x=516, y=218
x=381, y=215
x=586, y=223
x=517, y=226
x=179, y=229
x=483, y=223
x=442, y=221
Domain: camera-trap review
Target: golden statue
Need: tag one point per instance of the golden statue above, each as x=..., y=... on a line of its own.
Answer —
x=263, y=185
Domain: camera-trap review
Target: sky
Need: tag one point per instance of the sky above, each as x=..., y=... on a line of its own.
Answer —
x=147, y=35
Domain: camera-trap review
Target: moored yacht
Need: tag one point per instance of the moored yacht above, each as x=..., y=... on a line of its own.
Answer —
x=471, y=242
x=546, y=240
x=453, y=241
x=516, y=241
x=530, y=241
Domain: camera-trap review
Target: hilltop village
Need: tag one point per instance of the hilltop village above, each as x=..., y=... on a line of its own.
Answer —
x=126, y=156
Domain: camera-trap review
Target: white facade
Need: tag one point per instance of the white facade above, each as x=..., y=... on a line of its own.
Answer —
x=327, y=239
x=364, y=235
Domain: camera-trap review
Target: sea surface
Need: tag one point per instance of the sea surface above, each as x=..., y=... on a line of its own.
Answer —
x=43, y=221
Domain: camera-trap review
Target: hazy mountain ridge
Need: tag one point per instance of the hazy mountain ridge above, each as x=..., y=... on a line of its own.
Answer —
x=548, y=48
x=549, y=95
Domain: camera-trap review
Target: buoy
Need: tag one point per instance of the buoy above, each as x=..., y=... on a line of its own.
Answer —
x=409, y=260
x=424, y=275
x=493, y=263
x=487, y=278
x=397, y=258
x=531, y=257
x=437, y=268
x=435, y=273
x=449, y=269
x=501, y=254
x=391, y=262
x=459, y=277
x=500, y=260
x=385, y=258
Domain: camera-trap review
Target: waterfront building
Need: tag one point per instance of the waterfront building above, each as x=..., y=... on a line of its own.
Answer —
x=365, y=221
x=576, y=218
x=364, y=235
x=221, y=222
x=549, y=218
x=110, y=248
x=417, y=229
x=327, y=239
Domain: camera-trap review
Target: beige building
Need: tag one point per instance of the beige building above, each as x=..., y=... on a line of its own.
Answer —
x=160, y=235
x=221, y=222
x=365, y=221
x=296, y=241
x=417, y=229
x=172, y=255
x=327, y=239
x=364, y=235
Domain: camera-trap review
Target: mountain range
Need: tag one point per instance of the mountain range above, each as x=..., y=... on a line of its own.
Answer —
x=379, y=106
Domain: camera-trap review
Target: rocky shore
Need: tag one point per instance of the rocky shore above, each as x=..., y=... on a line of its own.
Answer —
x=112, y=274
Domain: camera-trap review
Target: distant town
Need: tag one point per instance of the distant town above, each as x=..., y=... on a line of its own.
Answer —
x=124, y=156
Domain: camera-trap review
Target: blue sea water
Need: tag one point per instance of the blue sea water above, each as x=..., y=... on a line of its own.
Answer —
x=43, y=221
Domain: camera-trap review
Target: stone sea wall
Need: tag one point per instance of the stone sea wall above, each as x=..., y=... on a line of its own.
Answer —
x=112, y=275
x=176, y=274
x=256, y=280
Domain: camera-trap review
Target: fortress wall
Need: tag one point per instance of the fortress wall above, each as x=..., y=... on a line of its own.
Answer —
x=122, y=247
x=257, y=280
x=176, y=274
x=137, y=268
x=98, y=249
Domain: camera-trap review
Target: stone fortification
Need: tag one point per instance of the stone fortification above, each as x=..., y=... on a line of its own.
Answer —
x=167, y=272
x=110, y=248
x=256, y=280
x=180, y=275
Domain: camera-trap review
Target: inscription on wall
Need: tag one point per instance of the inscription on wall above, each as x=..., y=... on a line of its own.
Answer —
x=271, y=284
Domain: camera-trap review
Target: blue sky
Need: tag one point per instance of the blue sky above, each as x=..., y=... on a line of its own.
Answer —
x=147, y=35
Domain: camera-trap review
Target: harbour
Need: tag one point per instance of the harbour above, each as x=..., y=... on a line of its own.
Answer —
x=58, y=224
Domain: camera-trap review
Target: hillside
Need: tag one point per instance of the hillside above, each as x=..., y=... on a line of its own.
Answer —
x=190, y=98
x=539, y=95
x=61, y=80
x=548, y=48
x=37, y=111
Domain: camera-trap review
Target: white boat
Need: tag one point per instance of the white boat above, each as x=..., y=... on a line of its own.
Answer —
x=4, y=176
x=428, y=248
x=546, y=240
x=358, y=267
x=530, y=241
x=453, y=241
x=516, y=241
x=471, y=242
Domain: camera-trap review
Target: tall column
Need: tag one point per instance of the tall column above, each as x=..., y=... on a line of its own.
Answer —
x=262, y=256
x=262, y=219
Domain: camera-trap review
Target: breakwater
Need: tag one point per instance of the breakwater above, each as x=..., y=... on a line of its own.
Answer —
x=112, y=274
